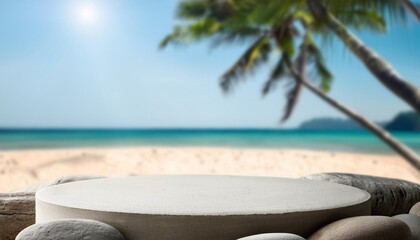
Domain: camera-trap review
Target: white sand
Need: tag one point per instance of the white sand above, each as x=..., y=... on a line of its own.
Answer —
x=22, y=168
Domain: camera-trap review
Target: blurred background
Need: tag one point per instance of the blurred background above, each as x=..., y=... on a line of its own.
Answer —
x=84, y=88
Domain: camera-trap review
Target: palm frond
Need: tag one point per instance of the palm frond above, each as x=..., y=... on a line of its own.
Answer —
x=391, y=10
x=292, y=98
x=293, y=94
x=177, y=37
x=200, y=9
x=202, y=29
x=194, y=32
x=221, y=10
x=192, y=9
x=325, y=76
x=279, y=72
x=285, y=36
x=363, y=19
x=239, y=36
x=287, y=43
x=317, y=62
x=270, y=13
x=256, y=54
x=304, y=17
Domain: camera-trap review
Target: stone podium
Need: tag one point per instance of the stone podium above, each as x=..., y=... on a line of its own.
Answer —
x=203, y=207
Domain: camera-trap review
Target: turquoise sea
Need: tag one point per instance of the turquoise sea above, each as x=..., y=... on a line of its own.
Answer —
x=340, y=141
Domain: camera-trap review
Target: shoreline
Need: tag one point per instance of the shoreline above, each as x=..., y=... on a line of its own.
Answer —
x=125, y=147
x=337, y=141
x=20, y=168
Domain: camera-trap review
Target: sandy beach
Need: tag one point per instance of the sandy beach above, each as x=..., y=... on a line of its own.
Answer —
x=22, y=168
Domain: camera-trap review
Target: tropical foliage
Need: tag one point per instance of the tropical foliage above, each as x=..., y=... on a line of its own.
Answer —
x=269, y=26
x=290, y=31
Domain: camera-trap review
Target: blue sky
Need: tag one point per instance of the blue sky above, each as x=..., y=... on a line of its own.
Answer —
x=87, y=63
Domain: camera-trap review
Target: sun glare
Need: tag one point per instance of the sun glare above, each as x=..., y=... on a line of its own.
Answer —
x=87, y=14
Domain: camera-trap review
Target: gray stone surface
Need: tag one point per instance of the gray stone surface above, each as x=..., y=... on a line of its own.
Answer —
x=70, y=229
x=273, y=236
x=415, y=210
x=17, y=211
x=364, y=228
x=413, y=222
x=389, y=196
x=203, y=207
x=57, y=181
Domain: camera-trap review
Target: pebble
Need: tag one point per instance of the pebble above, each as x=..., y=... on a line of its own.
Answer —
x=389, y=197
x=70, y=229
x=415, y=210
x=364, y=228
x=413, y=222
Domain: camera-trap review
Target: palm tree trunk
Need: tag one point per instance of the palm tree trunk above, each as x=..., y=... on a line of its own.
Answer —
x=412, y=8
x=376, y=65
x=397, y=146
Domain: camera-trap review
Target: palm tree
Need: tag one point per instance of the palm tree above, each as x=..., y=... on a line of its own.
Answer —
x=269, y=31
x=382, y=70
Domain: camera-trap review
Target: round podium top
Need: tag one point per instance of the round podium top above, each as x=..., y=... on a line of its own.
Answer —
x=202, y=195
